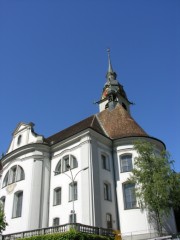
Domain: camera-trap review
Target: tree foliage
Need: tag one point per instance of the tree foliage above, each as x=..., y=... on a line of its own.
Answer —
x=157, y=184
x=3, y=222
x=70, y=235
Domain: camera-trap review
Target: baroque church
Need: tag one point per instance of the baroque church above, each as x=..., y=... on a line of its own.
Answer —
x=78, y=174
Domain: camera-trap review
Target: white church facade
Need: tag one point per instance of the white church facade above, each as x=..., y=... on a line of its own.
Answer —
x=78, y=174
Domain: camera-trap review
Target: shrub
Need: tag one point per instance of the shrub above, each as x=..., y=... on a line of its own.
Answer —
x=71, y=235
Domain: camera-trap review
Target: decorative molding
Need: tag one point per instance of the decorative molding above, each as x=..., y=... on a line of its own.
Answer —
x=10, y=188
x=69, y=150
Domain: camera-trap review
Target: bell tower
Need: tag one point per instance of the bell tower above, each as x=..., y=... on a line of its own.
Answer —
x=113, y=91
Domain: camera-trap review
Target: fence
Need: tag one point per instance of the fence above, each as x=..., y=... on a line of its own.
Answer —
x=60, y=229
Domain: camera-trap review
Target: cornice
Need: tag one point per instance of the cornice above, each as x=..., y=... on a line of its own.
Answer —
x=29, y=148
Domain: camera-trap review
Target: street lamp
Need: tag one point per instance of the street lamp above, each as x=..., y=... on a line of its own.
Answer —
x=73, y=184
x=73, y=187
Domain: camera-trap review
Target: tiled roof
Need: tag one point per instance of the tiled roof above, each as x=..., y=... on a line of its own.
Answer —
x=114, y=124
x=118, y=123
x=90, y=122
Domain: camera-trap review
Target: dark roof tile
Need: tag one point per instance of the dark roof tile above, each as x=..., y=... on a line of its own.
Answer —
x=90, y=122
x=118, y=123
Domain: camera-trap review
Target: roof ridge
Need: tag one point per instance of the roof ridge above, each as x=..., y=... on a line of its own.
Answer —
x=92, y=121
x=101, y=125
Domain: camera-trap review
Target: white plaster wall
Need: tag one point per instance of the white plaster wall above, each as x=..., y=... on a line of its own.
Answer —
x=27, y=136
x=62, y=180
x=102, y=105
x=21, y=223
x=106, y=176
x=131, y=220
x=31, y=187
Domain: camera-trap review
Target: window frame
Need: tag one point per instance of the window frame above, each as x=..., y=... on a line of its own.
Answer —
x=66, y=160
x=107, y=191
x=17, y=204
x=109, y=224
x=129, y=192
x=57, y=196
x=105, y=162
x=14, y=174
x=126, y=164
x=73, y=191
x=19, y=140
x=55, y=224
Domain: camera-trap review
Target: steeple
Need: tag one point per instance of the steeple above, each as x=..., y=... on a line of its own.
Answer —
x=113, y=91
x=110, y=72
x=110, y=69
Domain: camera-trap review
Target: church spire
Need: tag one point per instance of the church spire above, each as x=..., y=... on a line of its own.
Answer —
x=110, y=69
x=110, y=73
x=113, y=92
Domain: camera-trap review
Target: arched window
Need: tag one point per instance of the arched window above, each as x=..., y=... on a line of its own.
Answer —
x=57, y=196
x=17, y=204
x=126, y=162
x=3, y=200
x=5, y=181
x=58, y=168
x=129, y=196
x=68, y=161
x=20, y=174
x=15, y=174
x=19, y=139
x=12, y=174
x=109, y=220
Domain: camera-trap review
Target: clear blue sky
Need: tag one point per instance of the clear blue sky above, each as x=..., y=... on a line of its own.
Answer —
x=53, y=63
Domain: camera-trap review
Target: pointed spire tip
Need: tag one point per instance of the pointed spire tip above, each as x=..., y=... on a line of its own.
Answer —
x=110, y=69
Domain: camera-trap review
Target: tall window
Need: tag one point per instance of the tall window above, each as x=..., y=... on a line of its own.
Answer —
x=109, y=220
x=15, y=174
x=105, y=162
x=3, y=200
x=64, y=163
x=57, y=196
x=126, y=162
x=19, y=140
x=73, y=191
x=56, y=222
x=17, y=204
x=107, y=192
x=129, y=196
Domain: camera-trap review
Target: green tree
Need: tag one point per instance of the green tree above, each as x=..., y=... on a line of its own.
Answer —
x=157, y=184
x=3, y=222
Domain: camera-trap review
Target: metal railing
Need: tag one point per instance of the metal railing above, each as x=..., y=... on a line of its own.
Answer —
x=60, y=229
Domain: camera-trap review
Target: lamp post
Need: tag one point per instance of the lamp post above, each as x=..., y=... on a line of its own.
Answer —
x=73, y=184
x=73, y=187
